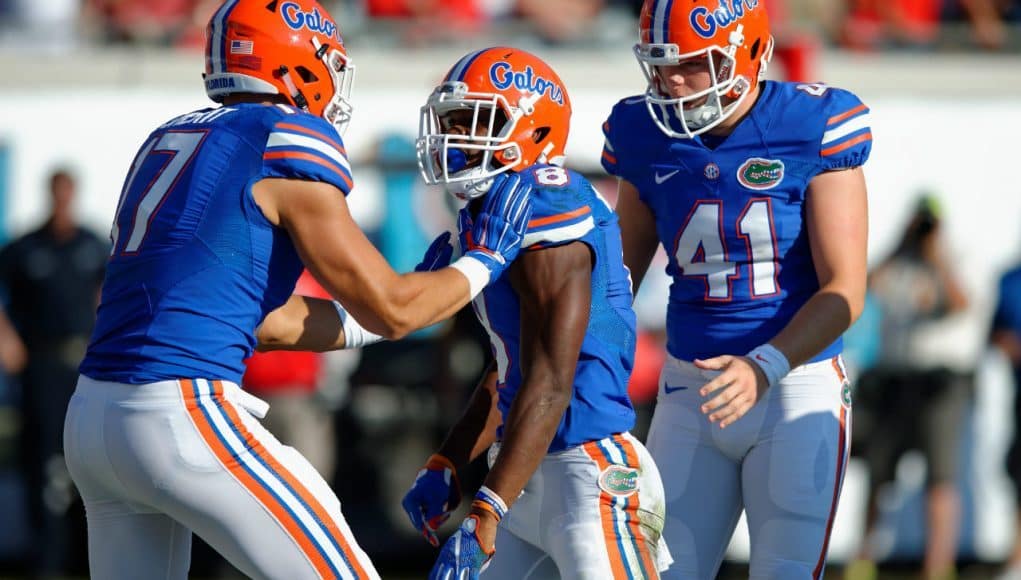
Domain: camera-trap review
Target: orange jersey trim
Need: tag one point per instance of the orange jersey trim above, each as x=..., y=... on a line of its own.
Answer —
x=847, y=144
x=560, y=217
x=312, y=158
x=846, y=114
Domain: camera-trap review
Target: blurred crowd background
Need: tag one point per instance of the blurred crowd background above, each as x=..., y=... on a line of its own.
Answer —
x=933, y=357
x=851, y=24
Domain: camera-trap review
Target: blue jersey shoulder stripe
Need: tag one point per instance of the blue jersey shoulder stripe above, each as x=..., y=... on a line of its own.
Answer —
x=292, y=141
x=846, y=130
x=312, y=164
x=288, y=127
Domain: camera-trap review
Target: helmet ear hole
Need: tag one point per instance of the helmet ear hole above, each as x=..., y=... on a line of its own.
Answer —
x=539, y=134
x=306, y=75
x=755, y=48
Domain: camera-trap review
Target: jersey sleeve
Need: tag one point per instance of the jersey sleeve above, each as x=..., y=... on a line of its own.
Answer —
x=561, y=210
x=302, y=146
x=609, y=157
x=847, y=135
x=629, y=136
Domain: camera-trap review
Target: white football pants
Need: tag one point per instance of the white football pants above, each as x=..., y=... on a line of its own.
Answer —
x=783, y=463
x=591, y=512
x=156, y=462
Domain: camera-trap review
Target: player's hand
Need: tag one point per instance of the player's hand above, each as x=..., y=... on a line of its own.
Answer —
x=437, y=255
x=463, y=556
x=499, y=228
x=732, y=393
x=434, y=494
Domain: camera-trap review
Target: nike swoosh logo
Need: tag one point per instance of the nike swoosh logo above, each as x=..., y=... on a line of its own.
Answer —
x=661, y=178
x=668, y=389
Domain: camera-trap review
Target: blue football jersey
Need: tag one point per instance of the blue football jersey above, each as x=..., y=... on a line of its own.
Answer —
x=195, y=266
x=731, y=218
x=566, y=208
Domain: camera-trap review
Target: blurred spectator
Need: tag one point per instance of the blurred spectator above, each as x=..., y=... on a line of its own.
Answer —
x=988, y=28
x=13, y=355
x=428, y=21
x=288, y=381
x=52, y=276
x=153, y=22
x=24, y=22
x=873, y=24
x=561, y=21
x=795, y=51
x=1006, y=335
x=863, y=341
x=876, y=24
x=431, y=21
x=909, y=399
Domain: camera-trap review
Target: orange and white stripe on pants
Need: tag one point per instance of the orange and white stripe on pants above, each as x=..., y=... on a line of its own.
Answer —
x=843, y=450
x=627, y=547
x=298, y=511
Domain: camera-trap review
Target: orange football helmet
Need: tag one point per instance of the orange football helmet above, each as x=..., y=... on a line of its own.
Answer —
x=732, y=35
x=291, y=48
x=520, y=111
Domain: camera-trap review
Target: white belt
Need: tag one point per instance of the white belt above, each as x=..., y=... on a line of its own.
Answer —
x=247, y=401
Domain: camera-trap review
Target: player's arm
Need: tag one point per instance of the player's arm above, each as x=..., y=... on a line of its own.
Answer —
x=836, y=215
x=436, y=490
x=302, y=323
x=348, y=266
x=637, y=231
x=554, y=288
x=475, y=431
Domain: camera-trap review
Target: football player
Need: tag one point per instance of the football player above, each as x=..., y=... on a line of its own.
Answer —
x=219, y=211
x=570, y=492
x=756, y=192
